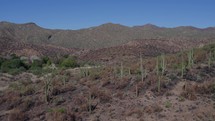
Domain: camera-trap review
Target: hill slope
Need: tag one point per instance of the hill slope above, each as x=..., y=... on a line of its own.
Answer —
x=106, y=35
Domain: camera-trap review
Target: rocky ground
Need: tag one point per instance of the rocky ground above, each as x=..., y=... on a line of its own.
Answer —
x=104, y=93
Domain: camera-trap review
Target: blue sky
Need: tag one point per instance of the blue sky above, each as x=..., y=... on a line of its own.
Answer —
x=76, y=14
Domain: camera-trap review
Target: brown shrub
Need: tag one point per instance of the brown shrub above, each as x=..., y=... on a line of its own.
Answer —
x=62, y=89
x=12, y=100
x=28, y=90
x=17, y=115
x=189, y=91
x=153, y=109
x=102, y=95
x=135, y=111
x=26, y=104
x=55, y=116
x=122, y=84
x=207, y=87
x=61, y=114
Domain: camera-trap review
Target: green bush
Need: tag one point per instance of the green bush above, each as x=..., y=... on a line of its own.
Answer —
x=1, y=61
x=14, y=56
x=168, y=104
x=46, y=60
x=16, y=71
x=69, y=63
x=36, y=67
x=13, y=66
x=36, y=70
x=36, y=64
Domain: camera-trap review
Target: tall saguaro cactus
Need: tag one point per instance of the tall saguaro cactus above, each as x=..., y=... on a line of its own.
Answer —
x=47, y=88
x=160, y=69
x=141, y=67
x=190, y=58
x=163, y=64
x=159, y=83
x=182, y=65
x=121, y=70
x=157, y=66
x=209, y=59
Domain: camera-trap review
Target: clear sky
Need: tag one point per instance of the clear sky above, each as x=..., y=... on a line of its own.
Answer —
x=76, y=14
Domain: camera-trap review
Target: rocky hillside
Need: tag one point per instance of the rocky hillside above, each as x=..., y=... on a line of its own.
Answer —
x=106, y=35
x=11, y=46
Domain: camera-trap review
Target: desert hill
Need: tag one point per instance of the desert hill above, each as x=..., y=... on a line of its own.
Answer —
x=103, y=36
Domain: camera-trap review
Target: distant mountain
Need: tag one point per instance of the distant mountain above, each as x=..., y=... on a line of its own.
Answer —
x=103, y=36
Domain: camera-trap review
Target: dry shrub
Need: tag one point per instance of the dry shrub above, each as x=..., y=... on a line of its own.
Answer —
x=102, y=95
x=105, y=83
x=152, y=109
x=28, y=90
x=123, y=83
x=80, y=103
x=61, y=114
x=207, y=87
x=119, y=95
x=62, y=89
x=12, y=100
x=200, y=55
x=189, y=91
x=150, y=64
x=83, y=107
x=27, y=104
x=55, y=116
x=17, y=115
x=25, y=82
x=135, y=111
x=79, y=100
x=153, y=79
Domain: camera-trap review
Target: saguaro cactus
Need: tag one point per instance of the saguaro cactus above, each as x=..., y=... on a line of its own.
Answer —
x=90, y=103
x=121, y=70
x=137, y=91
x=47, y=88
x=209, y=59
x=190, y=58
x=182, y=65
x=141, y=67
x=160, y=68
x=129, y=71
x=163, y=64
x=159, y=83
x=157, y=66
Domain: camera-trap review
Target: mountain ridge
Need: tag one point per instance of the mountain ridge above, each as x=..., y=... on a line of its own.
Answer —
x=104, y=24
x=102, y=36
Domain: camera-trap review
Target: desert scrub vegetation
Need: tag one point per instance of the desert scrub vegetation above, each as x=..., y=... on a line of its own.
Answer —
x=69, y=62
x=24, y=87
x=168, y=104
x=48, y=88
x=40, y=66
x=97, y=88
x=13, y=66
x=160, y=69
